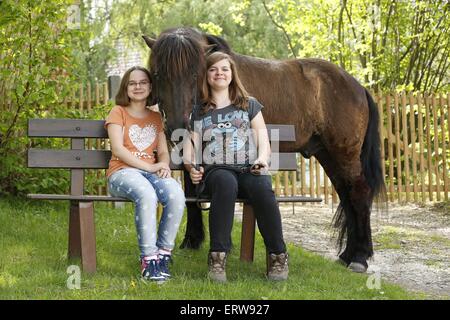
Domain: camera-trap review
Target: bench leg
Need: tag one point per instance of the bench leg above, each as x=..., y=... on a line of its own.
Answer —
x=248, y=233
x=82, y=234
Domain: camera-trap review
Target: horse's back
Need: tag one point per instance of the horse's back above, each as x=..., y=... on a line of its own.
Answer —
x=298, y=80
x=332, y=78
x=315, y=95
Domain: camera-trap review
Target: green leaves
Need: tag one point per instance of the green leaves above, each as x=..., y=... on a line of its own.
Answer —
x=211, y=28
x=36, y=55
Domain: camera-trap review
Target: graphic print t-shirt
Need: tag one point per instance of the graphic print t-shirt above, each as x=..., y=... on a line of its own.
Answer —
x=140, y=136
x=226, y=134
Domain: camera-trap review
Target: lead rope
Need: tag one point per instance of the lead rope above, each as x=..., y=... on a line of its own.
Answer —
x=201, y=186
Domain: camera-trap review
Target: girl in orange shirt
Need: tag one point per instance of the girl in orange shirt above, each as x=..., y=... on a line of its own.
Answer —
x=136, y=135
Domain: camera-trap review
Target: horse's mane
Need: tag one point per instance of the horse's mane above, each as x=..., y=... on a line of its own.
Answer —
x=178, y=53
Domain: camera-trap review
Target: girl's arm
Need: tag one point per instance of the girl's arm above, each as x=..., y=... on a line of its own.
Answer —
x=261, y=139
x=163, y=151
x=163, y=156
x=115, y=134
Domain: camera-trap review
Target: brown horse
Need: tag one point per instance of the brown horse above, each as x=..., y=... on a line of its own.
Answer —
x=335, y=117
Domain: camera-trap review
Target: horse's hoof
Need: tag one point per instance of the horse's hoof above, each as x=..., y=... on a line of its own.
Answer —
x=357, y=267
x=191, y=243
x=342, y=262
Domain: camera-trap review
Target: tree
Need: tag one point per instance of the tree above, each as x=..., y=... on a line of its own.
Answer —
x=37, y=70
x=387, y=44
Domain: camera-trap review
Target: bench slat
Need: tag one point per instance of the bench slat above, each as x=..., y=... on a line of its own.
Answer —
x=68, y=159
x=66, y=128
x=189, y=199
x=286, y=131
x=77, y=128
x=99, y=159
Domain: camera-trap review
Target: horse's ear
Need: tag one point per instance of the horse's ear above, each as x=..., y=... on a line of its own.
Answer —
x=149, y=41
x=209, y=48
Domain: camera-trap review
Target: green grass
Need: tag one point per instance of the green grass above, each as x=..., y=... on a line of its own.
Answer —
x=33, y=264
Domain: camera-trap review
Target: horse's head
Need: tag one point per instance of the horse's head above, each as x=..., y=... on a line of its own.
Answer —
x=177, y=65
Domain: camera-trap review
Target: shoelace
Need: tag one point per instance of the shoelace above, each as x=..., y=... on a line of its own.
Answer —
x=149, y=265
x=218, y=265
x=279, y=263
x=165, y=260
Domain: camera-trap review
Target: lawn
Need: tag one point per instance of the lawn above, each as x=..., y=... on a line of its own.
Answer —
x=34, y=265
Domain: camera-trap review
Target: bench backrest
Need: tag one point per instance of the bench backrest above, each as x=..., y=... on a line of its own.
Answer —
x=77, y=158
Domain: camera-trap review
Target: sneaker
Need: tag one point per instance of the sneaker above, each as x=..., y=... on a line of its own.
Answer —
x=150, y=270
x=278, y=269
x=164, y=260
x=216, y=265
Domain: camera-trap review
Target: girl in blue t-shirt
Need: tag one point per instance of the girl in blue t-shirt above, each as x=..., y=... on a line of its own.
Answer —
x=233, y=160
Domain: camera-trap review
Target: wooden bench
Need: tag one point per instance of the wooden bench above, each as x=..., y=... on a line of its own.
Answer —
x=77, y=159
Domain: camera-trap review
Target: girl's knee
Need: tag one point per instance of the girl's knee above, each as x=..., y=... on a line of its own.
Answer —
x=177, y=197
x=173, y=191
x=145, y=195
x=223, y=181
x=260, y=184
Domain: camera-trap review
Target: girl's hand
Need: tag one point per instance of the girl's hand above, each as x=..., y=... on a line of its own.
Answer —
x=163, y=173
x=156, y=167
x=196, y=175
x=259, y=167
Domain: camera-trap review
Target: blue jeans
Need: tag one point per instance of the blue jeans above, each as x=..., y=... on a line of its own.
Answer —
x=145, y=189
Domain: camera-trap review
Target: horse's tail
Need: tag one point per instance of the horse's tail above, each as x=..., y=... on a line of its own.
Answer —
x=371, y=152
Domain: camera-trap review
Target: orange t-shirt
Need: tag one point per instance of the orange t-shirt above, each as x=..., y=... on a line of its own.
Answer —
x=140, y=136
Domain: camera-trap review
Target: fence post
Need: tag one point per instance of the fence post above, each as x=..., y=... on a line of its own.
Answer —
x=444, y=145
x=405, y=144
x=113, y=86
x=398, y=144
x=428, y=136
x=436, y=147
x=412, y=128
x=421, y=145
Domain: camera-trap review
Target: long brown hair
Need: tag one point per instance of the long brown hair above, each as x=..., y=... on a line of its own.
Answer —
x=122, y=98
x=238, y=95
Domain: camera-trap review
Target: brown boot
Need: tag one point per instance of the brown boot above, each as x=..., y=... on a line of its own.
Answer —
x=278, y=269
x=216, y=264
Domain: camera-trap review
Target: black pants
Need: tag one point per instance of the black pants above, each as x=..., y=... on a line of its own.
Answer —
x=224, y=186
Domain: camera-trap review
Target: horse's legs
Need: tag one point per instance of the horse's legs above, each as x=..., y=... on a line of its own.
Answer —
x=356, y=206
x=195, y=233
x=353, y=213
x=360, y=239
x=329, y=164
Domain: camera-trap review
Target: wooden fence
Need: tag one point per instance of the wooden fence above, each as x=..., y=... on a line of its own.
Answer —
x=415, y=144
x=415, y=135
